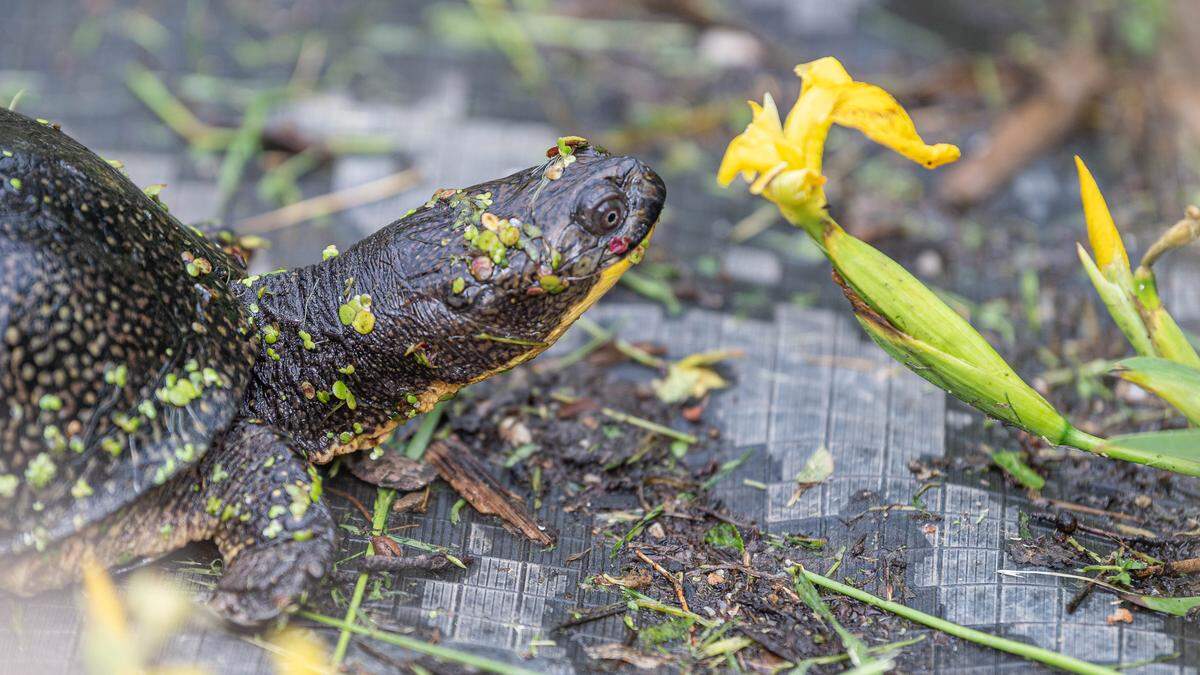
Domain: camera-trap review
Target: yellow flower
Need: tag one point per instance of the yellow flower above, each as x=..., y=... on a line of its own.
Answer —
x=1102, y=231
x=782, y=161
x=1131, y=297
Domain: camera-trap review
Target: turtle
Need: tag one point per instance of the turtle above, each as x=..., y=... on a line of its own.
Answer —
x=155, y=393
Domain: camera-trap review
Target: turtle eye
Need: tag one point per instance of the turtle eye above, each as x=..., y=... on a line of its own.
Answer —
x=605, y=216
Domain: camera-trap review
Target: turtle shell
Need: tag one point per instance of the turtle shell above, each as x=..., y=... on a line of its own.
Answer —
x=123, y=353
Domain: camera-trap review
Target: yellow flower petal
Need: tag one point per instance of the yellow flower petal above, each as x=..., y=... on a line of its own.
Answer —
x=825, y=71
x=829, y=95
x=807, y=126
x=880, y=117
x=1102, y=231
x=808, y=123
x=754, y=151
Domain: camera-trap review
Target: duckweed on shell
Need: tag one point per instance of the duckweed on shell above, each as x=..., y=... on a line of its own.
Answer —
x=81, y=489
x=40, y=470
x=342, y=393
x=50, y=402
x=552, y=283
x=116, y=375
x=357, y=314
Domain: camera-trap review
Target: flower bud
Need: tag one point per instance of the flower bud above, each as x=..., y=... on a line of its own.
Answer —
x=912, y=324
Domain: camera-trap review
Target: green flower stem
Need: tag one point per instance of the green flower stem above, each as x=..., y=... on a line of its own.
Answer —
x=420, y=646
x=1170, y=342
x=1081, y=439
x=1026, y=651
x=383, y=504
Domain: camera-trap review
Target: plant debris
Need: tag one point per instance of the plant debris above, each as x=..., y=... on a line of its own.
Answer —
x=457, y=466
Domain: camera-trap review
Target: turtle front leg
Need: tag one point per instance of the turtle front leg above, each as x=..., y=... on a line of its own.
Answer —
x=275, y=533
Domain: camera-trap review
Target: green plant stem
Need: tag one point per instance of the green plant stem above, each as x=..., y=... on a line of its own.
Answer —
x=383, y=504
x=1081, y=439
x=1026, y=651
x=438, y=652
x=245, y=144
x=874, y=651
x=654, y=289
x=420, y=440
x=633, y=352
x=151, y=91
x=1116, y=449
x=649, y=426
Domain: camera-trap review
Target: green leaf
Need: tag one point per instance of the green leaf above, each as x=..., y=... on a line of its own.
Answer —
x=1176, y=606
x=1175, y=383
x=1177, y=451
x=692, y=376
x=637, y=529
x=1013, y=464
x=520, y=454
x=725, y=535
x=1119, y=302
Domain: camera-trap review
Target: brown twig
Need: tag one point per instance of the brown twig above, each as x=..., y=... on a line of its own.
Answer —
x=592, y=614
x=1186, y=566
x=395, y=563
x=1090, y=510
x=578, y=556
x=670, y=577
x=1071, y=81
x=458, y=466
x=330, y=203
x=352, y=499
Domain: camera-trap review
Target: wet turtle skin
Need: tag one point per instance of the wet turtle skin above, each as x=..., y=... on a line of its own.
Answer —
x=155, y=394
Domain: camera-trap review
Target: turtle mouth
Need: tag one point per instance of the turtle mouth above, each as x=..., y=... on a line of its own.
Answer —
x=647, y=194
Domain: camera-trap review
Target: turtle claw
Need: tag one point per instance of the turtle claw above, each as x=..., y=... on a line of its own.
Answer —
x=267, y=579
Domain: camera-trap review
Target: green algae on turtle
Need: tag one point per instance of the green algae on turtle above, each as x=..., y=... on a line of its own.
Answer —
x=158, y=394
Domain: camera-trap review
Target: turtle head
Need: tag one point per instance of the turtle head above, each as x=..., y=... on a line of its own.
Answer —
x=477, y=281
x=553, y=240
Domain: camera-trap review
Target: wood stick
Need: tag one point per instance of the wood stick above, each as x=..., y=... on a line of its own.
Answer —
x=670, y=577
x=459, y=467
x=330, y=203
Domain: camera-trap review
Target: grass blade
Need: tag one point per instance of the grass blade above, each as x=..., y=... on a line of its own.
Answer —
x=1026, y=651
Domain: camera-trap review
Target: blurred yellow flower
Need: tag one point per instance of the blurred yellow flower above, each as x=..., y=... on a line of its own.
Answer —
x=782, y=161
x=123, y=635
x=300, y=652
